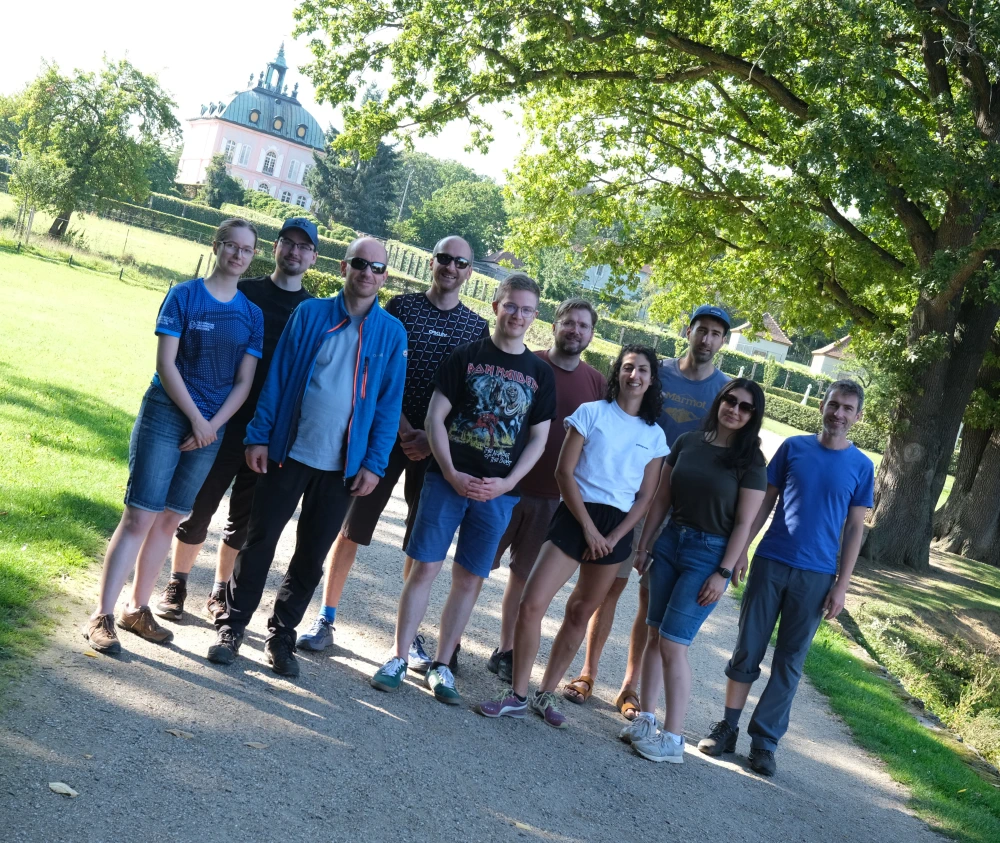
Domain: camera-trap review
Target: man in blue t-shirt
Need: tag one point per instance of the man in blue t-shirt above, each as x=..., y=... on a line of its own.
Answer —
x=823, y=486
x=690, y=384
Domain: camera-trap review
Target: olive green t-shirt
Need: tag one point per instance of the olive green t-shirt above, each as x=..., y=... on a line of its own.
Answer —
x=703, y=491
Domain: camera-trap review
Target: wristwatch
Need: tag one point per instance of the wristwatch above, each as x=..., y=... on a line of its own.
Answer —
x=725, y=573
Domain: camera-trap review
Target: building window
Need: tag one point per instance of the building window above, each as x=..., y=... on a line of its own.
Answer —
x=278, y=123
x=286, y=196
x=301, y=131
x=254, y=116
x=245, y=155
x=229, y=150
x=269, y=161
x=263, y=187
x=301, y=201
x=293, y=170
x=305, y=172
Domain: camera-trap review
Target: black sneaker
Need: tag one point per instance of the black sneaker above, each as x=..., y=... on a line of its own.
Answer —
x=453, y=664
x=171, y=604
x=502, y=664
x=280, y=652
x=226, y=646
x=762, y=761
x=721, y=738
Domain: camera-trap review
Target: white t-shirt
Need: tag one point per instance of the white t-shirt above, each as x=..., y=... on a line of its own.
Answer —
x=617, y=448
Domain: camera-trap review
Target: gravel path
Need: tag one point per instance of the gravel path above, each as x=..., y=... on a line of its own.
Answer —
x=337, y=760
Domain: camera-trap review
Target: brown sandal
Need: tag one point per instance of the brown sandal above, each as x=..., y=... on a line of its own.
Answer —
x=579, y=690
x=627, y=702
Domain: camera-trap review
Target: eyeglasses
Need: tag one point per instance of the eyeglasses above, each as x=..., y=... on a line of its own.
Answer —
x=510, y=309
x=445, y=259
x=292, y=246
x=570, y=325
x=230, y=246
x=361, y=264
x=732, y=401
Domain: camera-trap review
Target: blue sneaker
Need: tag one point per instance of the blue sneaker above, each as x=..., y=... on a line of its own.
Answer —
x=318, y=637
x=420, y=662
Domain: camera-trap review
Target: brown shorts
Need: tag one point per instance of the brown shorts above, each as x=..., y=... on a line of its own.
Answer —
x=525, y=534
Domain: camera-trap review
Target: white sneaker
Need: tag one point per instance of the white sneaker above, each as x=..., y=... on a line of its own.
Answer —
x=638, y=730
x=660, y=748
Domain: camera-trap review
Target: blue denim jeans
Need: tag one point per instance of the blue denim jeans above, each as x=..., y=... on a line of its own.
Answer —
x=683, y=559
x=161, y=475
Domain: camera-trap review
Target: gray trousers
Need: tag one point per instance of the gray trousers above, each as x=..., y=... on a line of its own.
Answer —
x=774, y=589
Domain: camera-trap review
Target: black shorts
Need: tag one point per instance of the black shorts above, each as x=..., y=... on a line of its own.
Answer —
x=365, y=512
x=566, y=533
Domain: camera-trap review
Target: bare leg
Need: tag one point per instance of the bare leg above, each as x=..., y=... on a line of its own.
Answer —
x=152, y=555
x=340, y=561
x=413, y=603
x=676, y=681
x=652, y=671
x=637, y=641
x=183, y=556
x=551, y=572
x=407, y=564
x=123, y=549
x=462, y=596
x=509, y=609
x=737, y=693
x=599, y=627
x=591, y=589
x=225, y=562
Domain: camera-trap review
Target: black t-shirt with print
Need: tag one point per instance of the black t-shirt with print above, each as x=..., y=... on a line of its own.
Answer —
x=431, y=335
x=496, y=398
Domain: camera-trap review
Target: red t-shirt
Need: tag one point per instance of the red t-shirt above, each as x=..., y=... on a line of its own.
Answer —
x=574, y=388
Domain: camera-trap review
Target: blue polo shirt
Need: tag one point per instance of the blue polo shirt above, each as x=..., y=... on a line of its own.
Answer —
x=816, y=486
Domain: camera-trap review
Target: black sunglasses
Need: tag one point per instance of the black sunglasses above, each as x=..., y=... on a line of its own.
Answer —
x=445, y=259
x=733, y=401
x=378, y=268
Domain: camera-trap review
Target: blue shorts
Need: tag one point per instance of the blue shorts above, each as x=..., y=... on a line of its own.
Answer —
x=442, y=511
x=682, y=560
x=161, y=476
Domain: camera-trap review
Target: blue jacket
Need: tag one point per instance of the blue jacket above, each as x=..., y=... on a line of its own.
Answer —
x=378, y=383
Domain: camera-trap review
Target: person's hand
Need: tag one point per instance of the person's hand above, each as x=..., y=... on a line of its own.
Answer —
x=465, y=484
x=711, y=590
x=203, y=433
x=597, y=545
x=415, y=445
x=643, y=559
x=364, y=482
x=740, y=570
x=492, y=487
x=257, y=458
x=833, y=605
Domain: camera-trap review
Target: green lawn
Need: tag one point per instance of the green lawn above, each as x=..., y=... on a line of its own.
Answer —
x=76, y=351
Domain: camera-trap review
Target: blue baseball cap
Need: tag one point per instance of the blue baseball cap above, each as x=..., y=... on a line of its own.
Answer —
x=714, y=312
x=306, y=226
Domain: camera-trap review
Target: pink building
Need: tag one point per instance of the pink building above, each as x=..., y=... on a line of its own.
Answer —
x=268, y=138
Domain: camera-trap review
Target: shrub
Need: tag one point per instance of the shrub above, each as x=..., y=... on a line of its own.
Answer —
x=276, y=208
x=791, y=396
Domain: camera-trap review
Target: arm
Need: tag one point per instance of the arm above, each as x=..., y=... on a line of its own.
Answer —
x=646, y=492
x=770, y=498
x=413, y=441
x=569, y=456
x=203, y=432
x=437, y=436
x=849, y=549
x=493, y=487
x=748, y=506
x=658, y=509
x=237, y=395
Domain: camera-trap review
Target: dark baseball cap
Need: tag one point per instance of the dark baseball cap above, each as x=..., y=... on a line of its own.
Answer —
x=306, y=226
x=714, y=312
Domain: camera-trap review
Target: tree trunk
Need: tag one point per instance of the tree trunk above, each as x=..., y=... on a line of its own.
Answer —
x=926, y=422
x=60, y=225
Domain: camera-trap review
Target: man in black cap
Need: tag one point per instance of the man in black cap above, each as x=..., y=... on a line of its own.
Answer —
x=690, y=384
x=277, y=295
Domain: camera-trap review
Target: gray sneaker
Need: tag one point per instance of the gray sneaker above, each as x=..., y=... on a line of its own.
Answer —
x=318, y=637
x=418, y=659
x=660, y=748
x=638, y=730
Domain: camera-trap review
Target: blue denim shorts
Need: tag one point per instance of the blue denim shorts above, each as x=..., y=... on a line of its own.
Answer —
x=682, y=560
x=160, y=475
x=442, y=511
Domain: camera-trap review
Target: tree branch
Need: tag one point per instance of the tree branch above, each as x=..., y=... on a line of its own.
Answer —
x=830, y=211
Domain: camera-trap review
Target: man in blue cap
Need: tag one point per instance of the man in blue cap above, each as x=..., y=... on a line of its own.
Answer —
x=277, y=295
x=690, y=384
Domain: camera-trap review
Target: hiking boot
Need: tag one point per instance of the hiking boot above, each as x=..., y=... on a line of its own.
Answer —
x=171, y=604
x=226, y=646
x=660, y=747
x=442, y=682
x=502, y=664
x=638, y=730
x=216, y=605
x=762, y=761
x=143, y=624
x=419, y=661
x=504, y=704
x=100, y=632
x=721, y=738
x=390, y=675
x=280, y=652
x=318, y=637
x=546, y=705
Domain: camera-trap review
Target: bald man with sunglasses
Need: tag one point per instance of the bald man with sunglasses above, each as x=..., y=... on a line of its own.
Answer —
x=436, y=324
x=322, y=431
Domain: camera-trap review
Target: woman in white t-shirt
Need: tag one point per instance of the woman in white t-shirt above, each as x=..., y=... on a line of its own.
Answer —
x=607, y=474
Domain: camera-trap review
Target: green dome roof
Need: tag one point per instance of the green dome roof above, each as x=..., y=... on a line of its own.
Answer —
x=296, y=124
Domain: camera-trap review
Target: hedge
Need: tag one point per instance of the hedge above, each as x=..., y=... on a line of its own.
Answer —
x=813, y=400
x=810, y=420
x=770, y=373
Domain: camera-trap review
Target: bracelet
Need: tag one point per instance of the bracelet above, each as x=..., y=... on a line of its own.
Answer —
x=642, y=550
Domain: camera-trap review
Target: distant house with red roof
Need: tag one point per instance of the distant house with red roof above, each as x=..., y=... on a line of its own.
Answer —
x=772, y=343
x=835, y=359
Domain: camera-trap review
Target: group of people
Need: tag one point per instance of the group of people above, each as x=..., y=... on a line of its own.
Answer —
x=287, y=398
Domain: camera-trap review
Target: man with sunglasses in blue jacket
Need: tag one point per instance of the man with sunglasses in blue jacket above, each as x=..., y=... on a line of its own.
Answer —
x=325, y=423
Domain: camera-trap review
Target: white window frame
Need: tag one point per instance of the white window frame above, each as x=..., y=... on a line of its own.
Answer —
x=301, y=200
x=244, y=159
x=288, y=194
x=228, y=150
x=274, y=163
x=293, y=171
x=263, y=187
